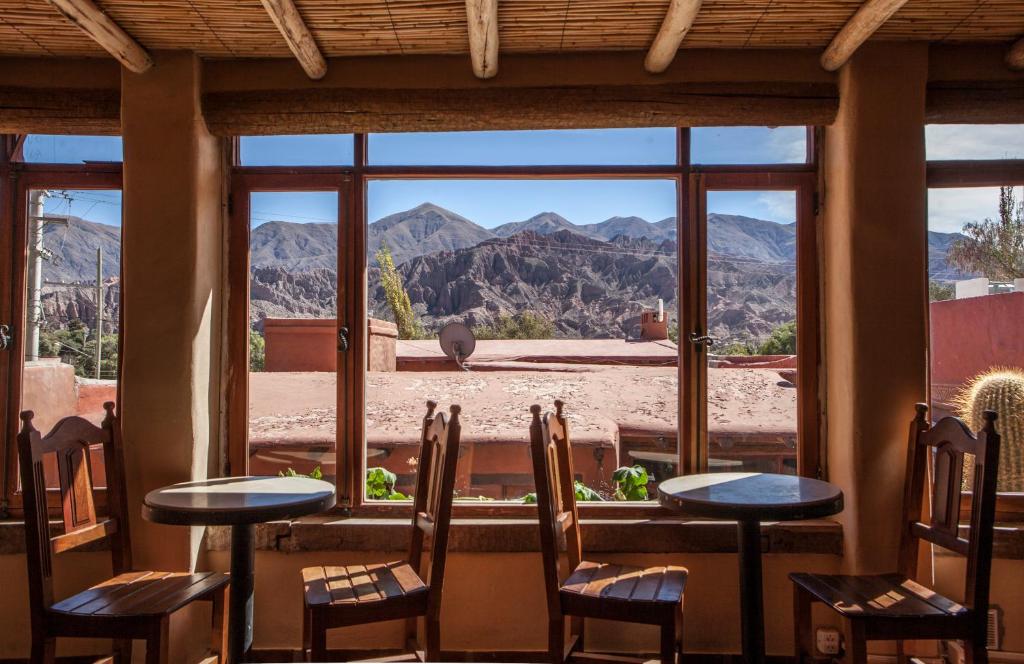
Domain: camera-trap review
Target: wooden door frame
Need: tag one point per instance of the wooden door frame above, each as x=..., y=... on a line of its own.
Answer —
x=18, y=180
x=810, y=404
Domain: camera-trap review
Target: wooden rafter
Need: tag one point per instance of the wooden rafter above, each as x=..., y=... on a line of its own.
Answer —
x=1015, y=56
x=868, y=19
x=93, y=22
x=482, y=20
x=298, y=37
x=678, y=20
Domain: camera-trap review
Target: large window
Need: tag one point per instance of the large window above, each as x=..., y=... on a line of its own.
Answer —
x=591, y=266
x=976, y=281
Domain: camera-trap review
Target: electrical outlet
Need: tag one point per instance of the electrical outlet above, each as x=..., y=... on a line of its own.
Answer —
x=827, y=640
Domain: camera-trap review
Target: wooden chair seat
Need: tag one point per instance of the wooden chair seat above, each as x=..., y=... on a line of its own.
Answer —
x=364, y=586
x=622, y=592
x=877, y=596
x=135, y=594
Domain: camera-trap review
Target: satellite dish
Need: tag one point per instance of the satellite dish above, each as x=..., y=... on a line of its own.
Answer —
x=457, y=342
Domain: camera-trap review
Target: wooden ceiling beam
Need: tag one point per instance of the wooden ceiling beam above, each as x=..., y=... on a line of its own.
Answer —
x=482, y=19
x=678, y=20
x=298, y=37
x=1015, y=56
x=869, y=18
x=93, y=22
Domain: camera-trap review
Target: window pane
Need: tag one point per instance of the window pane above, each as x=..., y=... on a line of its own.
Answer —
x=519, y=148
x=56, y=149
x=293, y=255
x=72, y=263
x=751, y=313
x=962, y=141
x=748, y=145
x=976, y=303
x=298, y=150
x=552, y=277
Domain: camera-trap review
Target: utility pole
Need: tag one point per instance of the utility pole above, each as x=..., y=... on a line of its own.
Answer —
x=99, y=309
x=36, y=221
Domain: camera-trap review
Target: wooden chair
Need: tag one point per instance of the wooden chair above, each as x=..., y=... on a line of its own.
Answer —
x=894, y=606
x=359, y=594
x=132, y=605
x=652, y=595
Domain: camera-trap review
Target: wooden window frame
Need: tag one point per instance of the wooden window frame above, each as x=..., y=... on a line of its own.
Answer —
x=976, y=173
x=16, y=180
x=351, y=462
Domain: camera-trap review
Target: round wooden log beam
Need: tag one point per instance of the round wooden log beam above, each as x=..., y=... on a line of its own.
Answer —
x=1015, y=56
x=482, y=20
x=105, y=32
x=868, y=19
x=298, y=37
x=678, y=20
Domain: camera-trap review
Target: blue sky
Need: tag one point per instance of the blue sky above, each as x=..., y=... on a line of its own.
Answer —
x=493, y=202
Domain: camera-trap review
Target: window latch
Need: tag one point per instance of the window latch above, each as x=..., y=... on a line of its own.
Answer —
x=343, y=338
x=5, y=337
x=702, y=341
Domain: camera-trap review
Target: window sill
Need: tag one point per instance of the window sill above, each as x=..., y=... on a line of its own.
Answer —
x=521, y=536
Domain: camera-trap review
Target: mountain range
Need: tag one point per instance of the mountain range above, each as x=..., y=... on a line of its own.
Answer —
x=591, y=279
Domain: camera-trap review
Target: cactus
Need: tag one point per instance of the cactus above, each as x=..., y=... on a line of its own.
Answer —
x=1000, y=389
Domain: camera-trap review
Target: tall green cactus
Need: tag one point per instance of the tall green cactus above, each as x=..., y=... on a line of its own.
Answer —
x=1000, y=389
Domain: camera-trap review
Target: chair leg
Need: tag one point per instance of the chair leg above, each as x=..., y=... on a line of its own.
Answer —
x=219, y=632
x=802, y=636
x=432, y=647
x=556, y=640
x=668, y=643
x=679, y=632
x=123, y=651
x=307, y=634
x=976, y=652
x=44, y=650
x=158, y=642
x=856, y=646
x=317, y=638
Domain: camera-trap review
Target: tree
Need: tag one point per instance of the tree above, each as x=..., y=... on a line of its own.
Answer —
x=994, y=248
x=397, y=297
x=257, y=351
x=782, y=340
x=524, y=325
x=938, y=291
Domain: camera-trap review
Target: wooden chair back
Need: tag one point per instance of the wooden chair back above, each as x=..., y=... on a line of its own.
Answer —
x=70, y=440
x=555, y=488
x=434, y=493
x=947, y=441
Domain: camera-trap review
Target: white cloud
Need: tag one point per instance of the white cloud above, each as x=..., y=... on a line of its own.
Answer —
x=974, y=141
x=950, y=209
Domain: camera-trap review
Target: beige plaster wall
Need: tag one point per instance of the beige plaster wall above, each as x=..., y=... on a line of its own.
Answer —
x=875, y=291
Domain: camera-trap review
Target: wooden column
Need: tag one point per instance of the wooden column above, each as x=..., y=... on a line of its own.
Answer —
x=875, y=304
x=171, y=267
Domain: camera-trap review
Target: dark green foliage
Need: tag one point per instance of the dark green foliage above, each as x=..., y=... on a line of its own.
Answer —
x=524, y=325
x=380, y=485
x=257, y=351
x=75, y=346
x=315, y=474
x=782, y=341
x=630, y=483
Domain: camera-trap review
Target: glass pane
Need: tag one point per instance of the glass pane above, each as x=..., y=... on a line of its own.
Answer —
x=296, y=150
x=56, y=149
x=520, y=148
x=751, y=310
x=963, y=141
x=72, y=263
x=293, y=253
x=561, y=283
x=975, y=284
x=748, y=145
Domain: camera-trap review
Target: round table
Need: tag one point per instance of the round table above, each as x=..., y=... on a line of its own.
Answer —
x=239, y=502
x=750, y=498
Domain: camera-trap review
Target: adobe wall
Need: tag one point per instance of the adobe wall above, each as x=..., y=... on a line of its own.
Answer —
x=311, y=344
x=974, y=334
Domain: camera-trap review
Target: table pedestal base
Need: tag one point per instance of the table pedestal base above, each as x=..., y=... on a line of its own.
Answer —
x=243, y=558
x=751, y=593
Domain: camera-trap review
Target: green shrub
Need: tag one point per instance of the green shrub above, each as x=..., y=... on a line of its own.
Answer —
x=315, y=474
x=397, y=297
x=257, y=351
x=782, y=341
x=524, y=325
x=75, y=346
x=938, y=291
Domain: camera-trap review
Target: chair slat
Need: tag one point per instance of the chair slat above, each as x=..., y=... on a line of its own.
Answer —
x=648, y=585
x=82, y=536
x=314, y=581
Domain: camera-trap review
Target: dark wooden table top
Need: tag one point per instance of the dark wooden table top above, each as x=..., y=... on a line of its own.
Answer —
x=751, y=496
x=237, y=500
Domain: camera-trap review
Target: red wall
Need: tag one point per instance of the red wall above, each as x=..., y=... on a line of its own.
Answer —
x=973, y=334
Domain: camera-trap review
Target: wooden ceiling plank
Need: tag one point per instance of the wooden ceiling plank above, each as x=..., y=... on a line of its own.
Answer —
x=482, y=20
x=93, y=22
x=1015, y=56
x=298, y=37
x=870, y=17
x=678, y=19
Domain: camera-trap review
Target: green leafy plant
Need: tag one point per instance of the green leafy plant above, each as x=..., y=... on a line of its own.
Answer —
x=524, y=325
x=630, y=483
x=380, y=485
x=584, y=494
x=257, y=351
x=315, y=474
x=397, y=297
